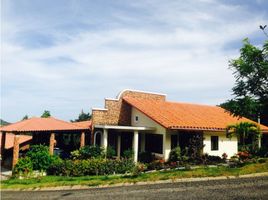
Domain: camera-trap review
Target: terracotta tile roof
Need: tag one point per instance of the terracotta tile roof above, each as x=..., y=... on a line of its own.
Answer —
x=41, y=124
x=10, y=140
x=173, y=115
x=85, y=124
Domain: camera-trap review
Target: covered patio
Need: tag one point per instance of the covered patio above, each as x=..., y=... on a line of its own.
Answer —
x=122, y=138
x=44, y=131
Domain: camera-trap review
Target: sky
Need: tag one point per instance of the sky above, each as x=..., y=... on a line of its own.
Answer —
x=68, y=55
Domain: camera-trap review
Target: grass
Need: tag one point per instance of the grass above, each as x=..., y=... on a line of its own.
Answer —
x=53, y=181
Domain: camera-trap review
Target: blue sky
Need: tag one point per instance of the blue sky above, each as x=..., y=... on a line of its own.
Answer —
x=68, y=55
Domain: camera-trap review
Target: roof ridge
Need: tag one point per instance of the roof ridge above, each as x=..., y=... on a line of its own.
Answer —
x=175, y=102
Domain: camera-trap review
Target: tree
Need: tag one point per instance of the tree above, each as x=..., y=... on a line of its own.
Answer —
x=46, y=114
x=82, y=117
x=251, y=83
x=246, y=133
x=25, y=117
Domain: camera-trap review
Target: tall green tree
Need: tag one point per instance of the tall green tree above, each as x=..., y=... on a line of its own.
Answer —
x=82, y=117
x=251, y=83
x=46, y=114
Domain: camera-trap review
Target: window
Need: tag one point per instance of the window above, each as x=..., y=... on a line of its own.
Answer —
x=154, y=143
x=214, y=143
x=136, y=118
x=174, y=141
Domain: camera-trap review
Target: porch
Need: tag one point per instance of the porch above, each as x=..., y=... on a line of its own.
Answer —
x=123, y=138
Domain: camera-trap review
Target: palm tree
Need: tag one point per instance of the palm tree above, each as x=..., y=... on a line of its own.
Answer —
x=243, y=131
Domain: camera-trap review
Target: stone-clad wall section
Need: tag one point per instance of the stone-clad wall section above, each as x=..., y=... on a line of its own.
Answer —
x=118, y=112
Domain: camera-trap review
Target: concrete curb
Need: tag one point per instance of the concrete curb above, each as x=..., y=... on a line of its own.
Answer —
x=80, y=187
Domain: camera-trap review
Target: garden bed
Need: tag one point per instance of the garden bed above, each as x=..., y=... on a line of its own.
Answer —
x=172, y=174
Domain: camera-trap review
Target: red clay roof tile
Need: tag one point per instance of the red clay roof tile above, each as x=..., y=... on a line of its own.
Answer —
x=173, y=115
x=10, y=139
x=85, y=124
x=41, y=124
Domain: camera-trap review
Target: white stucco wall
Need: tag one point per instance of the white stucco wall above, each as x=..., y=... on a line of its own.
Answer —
x=226, y=145
x=145, y=121
x=148, y=122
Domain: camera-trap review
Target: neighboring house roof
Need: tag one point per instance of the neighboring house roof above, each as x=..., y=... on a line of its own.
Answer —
x=41, y=124
x=173, y=115
x=85, y=124
x=10, y=140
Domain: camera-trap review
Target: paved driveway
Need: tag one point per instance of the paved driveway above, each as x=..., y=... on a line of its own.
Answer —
x=240, y=188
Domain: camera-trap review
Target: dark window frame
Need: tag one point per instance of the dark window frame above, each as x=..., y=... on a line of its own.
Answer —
x=214, y=143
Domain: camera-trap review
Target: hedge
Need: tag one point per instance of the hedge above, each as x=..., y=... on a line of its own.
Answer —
x=87, y=167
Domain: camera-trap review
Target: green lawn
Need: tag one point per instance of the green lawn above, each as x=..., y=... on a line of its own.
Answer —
x=52, y=181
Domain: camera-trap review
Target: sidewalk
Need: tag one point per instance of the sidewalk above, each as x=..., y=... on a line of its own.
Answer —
x=5, y=173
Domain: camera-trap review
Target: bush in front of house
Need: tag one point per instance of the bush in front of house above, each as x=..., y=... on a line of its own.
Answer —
x=56, y=165
x=128, y=154
x=110, y=152
x=94, y=166
x=39, y=156
x=23, y=166
x=156, y=165
x=86, y=152
x=175, y=154
x=211, y=160
x=262, y=152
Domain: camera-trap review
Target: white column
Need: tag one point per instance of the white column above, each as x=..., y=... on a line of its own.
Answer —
x=142, y=142
x=118, y=145
x=166, y=145
x=135, y=145
x=259, y=140
x=105, y=139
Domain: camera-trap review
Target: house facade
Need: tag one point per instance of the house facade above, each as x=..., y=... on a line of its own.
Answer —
x=145, y=121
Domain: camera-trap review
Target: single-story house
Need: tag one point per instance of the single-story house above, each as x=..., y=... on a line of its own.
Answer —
x=49, y=131
x=146, y=121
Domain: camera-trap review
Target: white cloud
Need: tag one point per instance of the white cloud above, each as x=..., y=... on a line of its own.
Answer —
x=175, y=48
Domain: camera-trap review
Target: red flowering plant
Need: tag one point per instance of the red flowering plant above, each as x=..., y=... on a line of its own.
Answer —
x=173, y=164
x=243, y=155
x=224, y=156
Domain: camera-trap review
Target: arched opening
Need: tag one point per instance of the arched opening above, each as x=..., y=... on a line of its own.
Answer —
x=97, y=138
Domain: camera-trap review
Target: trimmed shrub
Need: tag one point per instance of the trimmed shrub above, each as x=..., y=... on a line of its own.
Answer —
x=56, y=166
x=87, y=167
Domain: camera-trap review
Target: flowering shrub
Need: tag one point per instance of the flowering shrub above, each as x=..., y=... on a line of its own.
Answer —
x=156, y=165
x=243, y=155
